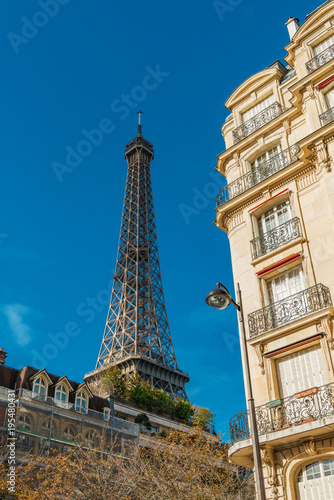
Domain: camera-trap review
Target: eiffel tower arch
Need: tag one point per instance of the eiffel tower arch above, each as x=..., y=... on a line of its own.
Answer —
x=137, y=338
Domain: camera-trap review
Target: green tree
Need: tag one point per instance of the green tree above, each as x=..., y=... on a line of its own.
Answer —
x=202, y=416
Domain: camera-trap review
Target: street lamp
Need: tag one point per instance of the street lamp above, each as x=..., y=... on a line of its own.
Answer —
x=219, y=299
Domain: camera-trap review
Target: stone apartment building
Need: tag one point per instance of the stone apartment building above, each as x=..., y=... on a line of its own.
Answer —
x=278, y=212
x=53, y=412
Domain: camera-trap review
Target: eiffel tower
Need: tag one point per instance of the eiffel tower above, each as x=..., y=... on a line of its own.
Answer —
x=136, y=337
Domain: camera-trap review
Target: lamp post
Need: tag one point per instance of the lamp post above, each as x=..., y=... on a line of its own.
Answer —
x=219, y=299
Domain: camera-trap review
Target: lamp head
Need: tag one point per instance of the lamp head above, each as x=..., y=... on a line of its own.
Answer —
x=219, y=298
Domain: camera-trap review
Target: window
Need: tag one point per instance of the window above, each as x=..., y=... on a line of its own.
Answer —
x=285, y=284
x=257, y=108
x=60, y=395
x=330, y=99
x=267, y=163
x=316, y=481
x=47, y=424
x=81, y=402
x=69, y=434
x=39, y=386
x=266, y=156
x=274, y=228
x=274, y=217
x=328, y=467
x=91, y=438
x=318, y=49
x=300, y=371
x=24, y=422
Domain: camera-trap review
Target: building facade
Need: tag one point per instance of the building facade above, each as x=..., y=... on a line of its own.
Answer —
x=278, y=212
x=54, y=413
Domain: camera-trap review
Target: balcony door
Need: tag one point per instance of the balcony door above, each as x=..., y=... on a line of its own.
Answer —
x=266, y=164
x=257, y=108
x=286, y=284
x=318, y=49
x=330, y=99
x=300, y=371
x=274, y=217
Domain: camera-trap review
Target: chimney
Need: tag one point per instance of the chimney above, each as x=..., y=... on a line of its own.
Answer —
x=293, y=25
x=3, y=356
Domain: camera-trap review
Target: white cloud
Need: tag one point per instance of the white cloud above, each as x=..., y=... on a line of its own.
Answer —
x=15, y=316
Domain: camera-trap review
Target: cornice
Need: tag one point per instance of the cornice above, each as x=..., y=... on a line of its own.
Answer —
x=262, y=131
x=228, y=211
x=252, y=84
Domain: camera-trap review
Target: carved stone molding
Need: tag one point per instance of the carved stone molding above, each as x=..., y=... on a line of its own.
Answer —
x=311, y=91
x=306, y=179
x=309, y=447
x=268, y=458
x=322, y=159
x=260, y=350
x=233, y=220
x=325, y=327
x=287, y=126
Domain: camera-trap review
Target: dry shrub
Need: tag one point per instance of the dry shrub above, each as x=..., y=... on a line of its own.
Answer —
x=180, y=467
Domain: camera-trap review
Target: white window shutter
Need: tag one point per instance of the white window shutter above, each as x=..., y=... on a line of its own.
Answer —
x=301, y=370
x=257, y=108
x=323, y=45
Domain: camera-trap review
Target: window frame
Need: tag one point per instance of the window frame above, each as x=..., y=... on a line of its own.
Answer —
x=78, y=406
x=258, y=104
x=40, y=383
x=270, y=279
x=260, y=218
x=61, y=402
x=23, y=423
x=318, y=43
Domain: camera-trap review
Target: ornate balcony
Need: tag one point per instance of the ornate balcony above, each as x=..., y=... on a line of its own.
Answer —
x=263, y=170
x=327, y=117
x=260, y=119
x=321, y=59
x=275, y=238
x=300, y=408
x=289, y=309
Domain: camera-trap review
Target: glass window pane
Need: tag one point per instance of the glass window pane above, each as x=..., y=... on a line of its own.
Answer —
x=323, y=45
x=328, y=467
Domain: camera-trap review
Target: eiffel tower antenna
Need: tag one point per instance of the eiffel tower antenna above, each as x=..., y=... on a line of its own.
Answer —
x=136, y=337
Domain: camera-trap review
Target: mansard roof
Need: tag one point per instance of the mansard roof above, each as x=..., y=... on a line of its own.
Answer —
x=253, y=83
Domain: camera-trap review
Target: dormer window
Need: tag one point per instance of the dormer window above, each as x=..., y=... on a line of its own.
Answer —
x=323, y=52
x=257, y=108
x=81, y=402
x=322, y=46
x=256, y=117
x=60, y=395
x=39, y=387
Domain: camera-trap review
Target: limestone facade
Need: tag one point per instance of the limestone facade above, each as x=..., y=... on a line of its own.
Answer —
x=278, y=212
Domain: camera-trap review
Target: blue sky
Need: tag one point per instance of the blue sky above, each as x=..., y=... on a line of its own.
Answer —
x=72, y=67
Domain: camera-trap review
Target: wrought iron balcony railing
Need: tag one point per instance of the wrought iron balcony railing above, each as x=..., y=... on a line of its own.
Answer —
x=321, y=59
x=262, y=171
x=300, y=408
x=260, y=119
x=275, y=238
x=289, y=309
x=327, y=117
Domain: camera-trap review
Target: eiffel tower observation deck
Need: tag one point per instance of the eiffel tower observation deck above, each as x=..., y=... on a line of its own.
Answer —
x=137, y=338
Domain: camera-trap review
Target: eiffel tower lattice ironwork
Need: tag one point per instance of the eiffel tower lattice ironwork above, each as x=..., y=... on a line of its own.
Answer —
x=137, y=338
